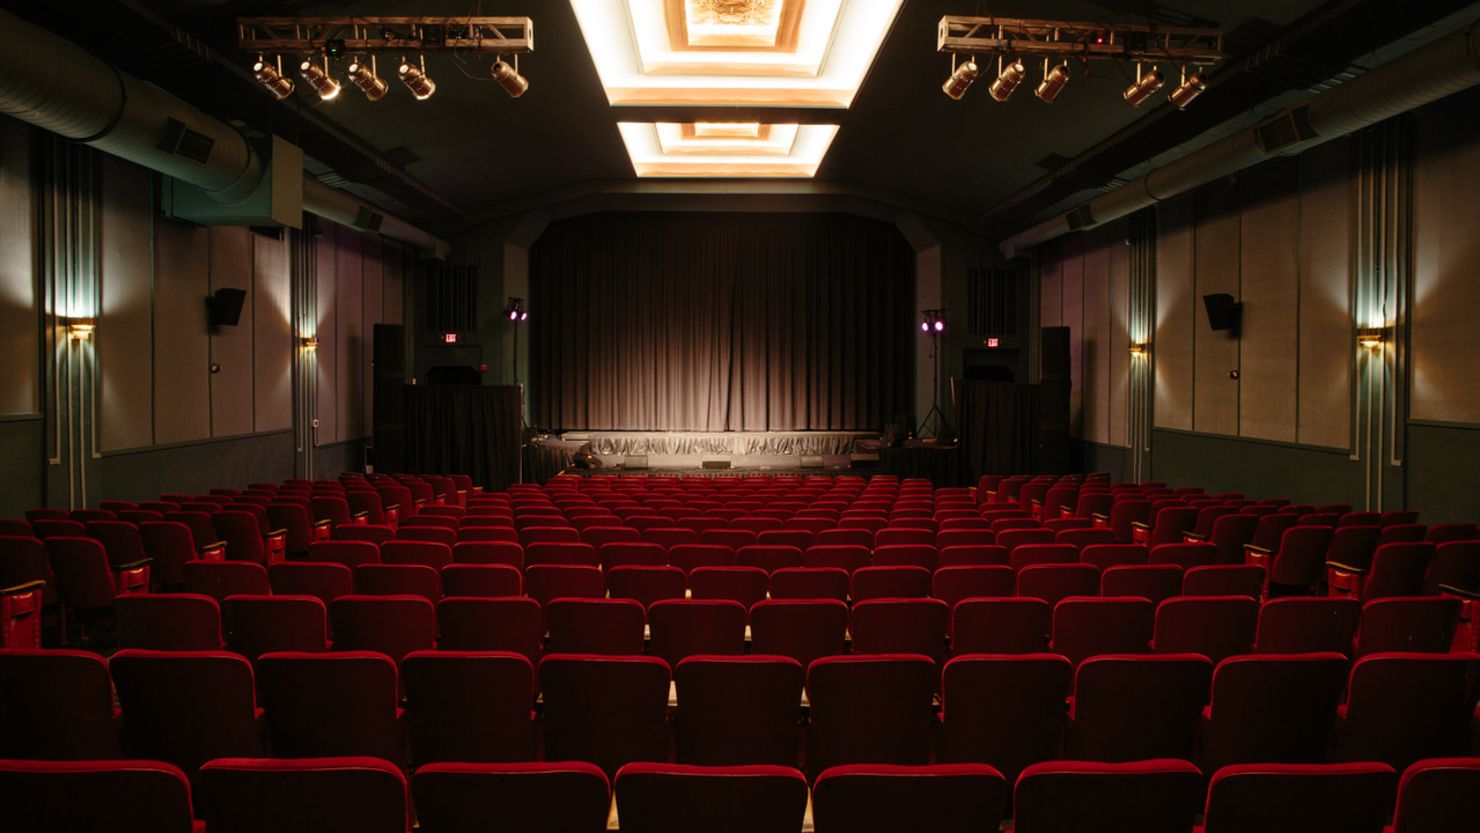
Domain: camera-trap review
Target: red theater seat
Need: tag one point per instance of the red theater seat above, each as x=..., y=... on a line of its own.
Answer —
x=610, y=711
x=677, y=798
x=1272, y=709
x=595, y=626
x=257, y=625
x=1131, y=708
x=1434, y=793
x=1006, y=711
x=469, y=706
x=120, y=796
x=458, y=797
x=337, y=703
x=172, y=622
x=187, y=707
x=1404, y=707
x=311, y=795
x=1152, y=796
x=504, y=624
x=870, y=708
x=1300, y=798
x=944, y=798
x=56, y=704
x=1000, y=626
x=685, y=627
x=803, y=629
x=1217, y=627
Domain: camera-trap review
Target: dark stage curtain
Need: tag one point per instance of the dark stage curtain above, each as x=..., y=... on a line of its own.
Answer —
x=464, y=429
x=721, y=322
x=999, y=427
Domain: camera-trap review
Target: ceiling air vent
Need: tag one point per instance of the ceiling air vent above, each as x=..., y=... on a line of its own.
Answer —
x=181, y=141
x=1079, y=217
x=1285, y=129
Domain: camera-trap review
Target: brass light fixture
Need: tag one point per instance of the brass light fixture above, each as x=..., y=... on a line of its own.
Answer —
x=1009, y=76
x=1145, y=86
x=962, y=77
x=270, y=76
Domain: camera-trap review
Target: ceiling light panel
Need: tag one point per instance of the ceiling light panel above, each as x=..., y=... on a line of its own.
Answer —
x=770, y=53
x=675, y=150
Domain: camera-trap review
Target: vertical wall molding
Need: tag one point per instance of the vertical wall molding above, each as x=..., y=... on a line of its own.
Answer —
x=305, y=304
x=1141, y=325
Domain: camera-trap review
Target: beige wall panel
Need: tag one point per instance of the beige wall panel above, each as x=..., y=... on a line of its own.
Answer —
x=1172, y=343
x=1268, y=367
x=231, y=347
x=1074, y=319
x=1051, y=285
x=182, y=350
x=326, y=357
x=1118, y=342
x=1216, y=250
x=126, y=319
x=392, y=299
x=1096, y=343
x=19, y=328
x=372, y=301
x=350, y=348
x=1325, y=354
x=1446, y=291
x=273, y=336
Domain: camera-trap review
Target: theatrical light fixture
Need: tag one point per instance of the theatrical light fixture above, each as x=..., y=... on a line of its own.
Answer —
x=961, y=79
x=508, y=77
x=514, y=310
x=1008, y=79
x=934, y=321
x=309, y=343
x=1140, y=349
x=414, y=76
x=1191, y=87
x=365, y=78
x=1055, y=78
x=1371, y=338
x=1057, y=42
x=319, y=78
x=271, y=77
x=1145, y=86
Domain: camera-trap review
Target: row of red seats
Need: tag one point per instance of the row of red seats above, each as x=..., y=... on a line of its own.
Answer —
x=1006, y=711
x=363, y=795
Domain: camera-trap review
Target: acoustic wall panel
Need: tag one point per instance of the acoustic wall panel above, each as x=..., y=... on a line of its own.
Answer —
x=1073, y=318
x=325, y=357
x=1095, y=343
x=1216, y=249
x=1324, y=362
x=1176, y=305
x=350, y=345
x=1447, y=249
x=1118, y=340
x=273, y=337
x=125, y=337
x=231, y=346
x=393, y=288
x=1269, y=236
x=372, y=311
x=1051, y=285
x=20, y=335
x=182, y=393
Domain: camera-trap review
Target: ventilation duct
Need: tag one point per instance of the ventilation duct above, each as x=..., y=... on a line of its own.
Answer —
x=58, y=86
x=1427, y=74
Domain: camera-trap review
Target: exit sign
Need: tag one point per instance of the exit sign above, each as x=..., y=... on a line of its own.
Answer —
x=449, y=338
x=994, y=342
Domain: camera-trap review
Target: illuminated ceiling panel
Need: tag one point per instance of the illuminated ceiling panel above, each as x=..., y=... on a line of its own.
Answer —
x=768, y=53
x=778, y=150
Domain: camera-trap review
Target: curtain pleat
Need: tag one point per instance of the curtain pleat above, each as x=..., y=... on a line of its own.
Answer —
x=464, y=429
x=720, y=322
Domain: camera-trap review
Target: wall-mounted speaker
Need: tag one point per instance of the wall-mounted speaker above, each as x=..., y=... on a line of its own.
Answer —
x=1224, y=313
x=224, y=308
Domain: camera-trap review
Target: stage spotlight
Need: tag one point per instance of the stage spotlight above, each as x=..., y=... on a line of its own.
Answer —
x=509, y=78
x=939, y=325
x=271, y=78
x=414, y=76
x=514, y=310
x=365, y=78
x=924, y=326
x=1008, y=79
x=961, y=79
x=319, y=78
x=1055, y=79
x=1191, y=87
x=1146, y=85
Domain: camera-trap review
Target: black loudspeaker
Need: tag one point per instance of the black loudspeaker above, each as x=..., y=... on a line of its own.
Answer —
x=224, y=308
x=389, y=402
x=1224, y=313
x=1054, y=394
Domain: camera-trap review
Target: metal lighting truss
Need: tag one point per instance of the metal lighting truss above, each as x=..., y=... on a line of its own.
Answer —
x=959, y=34
x=496, y=35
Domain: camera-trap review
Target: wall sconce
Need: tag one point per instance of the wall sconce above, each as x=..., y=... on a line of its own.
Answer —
x=81, y=329
x=310, y=343
x=1371, y=338
x=1140, y=349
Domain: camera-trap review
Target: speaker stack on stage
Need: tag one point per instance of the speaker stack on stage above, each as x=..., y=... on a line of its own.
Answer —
x=1054, y=386
x=389, y=363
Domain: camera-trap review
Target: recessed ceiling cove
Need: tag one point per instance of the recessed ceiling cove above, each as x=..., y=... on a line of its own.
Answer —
x=671, y=149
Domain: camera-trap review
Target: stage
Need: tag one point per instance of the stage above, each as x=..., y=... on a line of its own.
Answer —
x=771, y=454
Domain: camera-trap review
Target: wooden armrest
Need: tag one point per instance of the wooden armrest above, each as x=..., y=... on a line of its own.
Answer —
x=1460, y=592
x=1098, y=517
x=275, y=533
x=1140, y=525
x=364, y=514
x=216, y=545
x=1346, y=568
x=323, y=522
x=1035, y=502
x=390, y=506
x=1260, y=550
x=1194, y=536
x=133, y=565
x=23, y=587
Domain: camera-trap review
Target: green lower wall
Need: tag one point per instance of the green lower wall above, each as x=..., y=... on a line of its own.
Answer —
x=329, y=461
x=195, y=467
x=22, y=457
x=1443, y=472
x=1089, y=456
x=1258, y=469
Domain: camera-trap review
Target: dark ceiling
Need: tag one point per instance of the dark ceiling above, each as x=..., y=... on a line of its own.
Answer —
x=470, y=149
